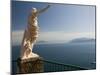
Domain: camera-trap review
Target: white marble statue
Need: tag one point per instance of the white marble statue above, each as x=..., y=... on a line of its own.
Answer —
x=31, y=34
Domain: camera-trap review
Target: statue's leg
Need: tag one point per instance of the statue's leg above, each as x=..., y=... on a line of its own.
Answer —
x=33, y=41
x=28, y=51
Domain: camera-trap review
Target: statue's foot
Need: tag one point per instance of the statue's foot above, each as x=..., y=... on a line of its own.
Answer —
x=31, y=55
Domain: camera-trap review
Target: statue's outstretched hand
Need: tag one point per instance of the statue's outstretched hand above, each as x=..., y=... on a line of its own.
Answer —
x=44, y=9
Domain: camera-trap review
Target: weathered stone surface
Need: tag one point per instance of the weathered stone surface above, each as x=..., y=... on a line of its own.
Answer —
x=32, y=65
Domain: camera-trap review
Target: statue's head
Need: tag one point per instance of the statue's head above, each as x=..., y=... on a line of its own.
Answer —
x=34, y=10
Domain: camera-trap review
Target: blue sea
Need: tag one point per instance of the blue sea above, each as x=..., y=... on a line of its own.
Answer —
x=80, y=54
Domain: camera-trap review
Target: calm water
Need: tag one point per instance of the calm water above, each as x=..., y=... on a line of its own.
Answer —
x=81, y=54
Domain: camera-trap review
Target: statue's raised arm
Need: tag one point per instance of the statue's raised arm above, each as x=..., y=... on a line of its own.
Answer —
x=44, y=9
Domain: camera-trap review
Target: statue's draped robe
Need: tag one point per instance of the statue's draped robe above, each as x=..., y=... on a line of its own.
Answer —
x=30, y=36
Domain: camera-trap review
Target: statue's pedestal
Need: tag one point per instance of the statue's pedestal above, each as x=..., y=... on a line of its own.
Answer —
x=31, y=65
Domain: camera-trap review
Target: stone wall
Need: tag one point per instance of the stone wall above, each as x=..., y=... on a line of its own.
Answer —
x=32, y=65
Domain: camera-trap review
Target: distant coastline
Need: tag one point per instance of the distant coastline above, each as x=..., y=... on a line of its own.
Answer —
x=82, y=40
x=77, y=40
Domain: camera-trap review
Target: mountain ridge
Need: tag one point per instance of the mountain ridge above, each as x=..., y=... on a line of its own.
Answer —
x=79, y=40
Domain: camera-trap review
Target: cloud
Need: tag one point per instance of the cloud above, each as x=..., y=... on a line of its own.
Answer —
x=52, y=37
x=17, y=37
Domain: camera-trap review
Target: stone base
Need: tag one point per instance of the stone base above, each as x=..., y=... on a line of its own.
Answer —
x=31, y=65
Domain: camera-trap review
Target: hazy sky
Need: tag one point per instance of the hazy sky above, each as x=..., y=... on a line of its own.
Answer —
x=61, y=22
